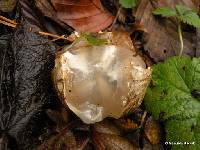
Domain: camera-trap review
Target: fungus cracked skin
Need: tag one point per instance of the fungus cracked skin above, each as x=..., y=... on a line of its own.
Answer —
x=96, y=82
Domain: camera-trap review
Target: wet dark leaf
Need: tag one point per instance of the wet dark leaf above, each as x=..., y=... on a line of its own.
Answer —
x=32, y=76
x=25, y=72
x=7, y=100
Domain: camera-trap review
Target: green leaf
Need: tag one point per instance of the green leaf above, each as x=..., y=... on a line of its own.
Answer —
x=165, y=12
x=171, y=98
x=128, y=3
x=93, y=40
x=187, y=15
x=191, y=18
x=181, y=9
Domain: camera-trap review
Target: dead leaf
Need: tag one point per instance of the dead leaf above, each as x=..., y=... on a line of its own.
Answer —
x=161, y=40
x=64, y=140
x=83, y=15
x=152, y=131
x=196, y=2
x=104, y=137
x=132, y=121
x=106, y=127
x=70, y=138
x=7, y=5
x=149, y=146
x=134, y=137
x=28, y=12
x=61, y=117
x=52, y=25
x=47, y=9
x=126, y=124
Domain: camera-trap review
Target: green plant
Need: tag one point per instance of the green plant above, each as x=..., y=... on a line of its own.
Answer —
x=89, y=38
x=173, y=98
x=128, y=3
x=182, y=14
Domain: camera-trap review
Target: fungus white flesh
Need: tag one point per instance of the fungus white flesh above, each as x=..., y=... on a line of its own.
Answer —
x=101, y=81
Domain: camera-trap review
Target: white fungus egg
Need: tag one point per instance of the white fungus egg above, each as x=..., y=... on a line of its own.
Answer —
x=96, y=82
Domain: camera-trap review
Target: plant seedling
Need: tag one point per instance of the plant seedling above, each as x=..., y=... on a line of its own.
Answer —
x=182, y=14
x=91, y=40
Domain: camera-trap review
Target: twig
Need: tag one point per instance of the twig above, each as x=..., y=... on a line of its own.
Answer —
x=13, y=24
x=8, y=22
x=53, y=35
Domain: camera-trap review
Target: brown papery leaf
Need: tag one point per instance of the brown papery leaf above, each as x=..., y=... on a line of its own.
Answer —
x=106, y=136
x=66, y=139
x=83, y=15
x=7, y=5
x=126, y=124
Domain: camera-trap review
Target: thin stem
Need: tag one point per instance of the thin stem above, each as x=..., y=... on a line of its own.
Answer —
x=180, y=38
x=71, y=45
x=53, y=35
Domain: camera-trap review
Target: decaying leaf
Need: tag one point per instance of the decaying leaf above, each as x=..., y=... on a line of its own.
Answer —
x=96, y=82
x=7, y=5
x=107, y=136
x=27, y=10
x=127, y=124
x=83, y=15
x=7, y=100
x=32, y=88
x=152, y=131
x=174, y=98
x=25, y=66
x=66, y=139
x=148, y=146
x=61, y=117
x=132, y=121
x=161, y=40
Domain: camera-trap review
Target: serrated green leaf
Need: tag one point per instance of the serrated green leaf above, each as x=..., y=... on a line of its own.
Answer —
x=191, y=18
x=93, y=40
x=181, y=9
x=165, y=12
x=187, y=15
x=128, y=3
x=170, y=98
